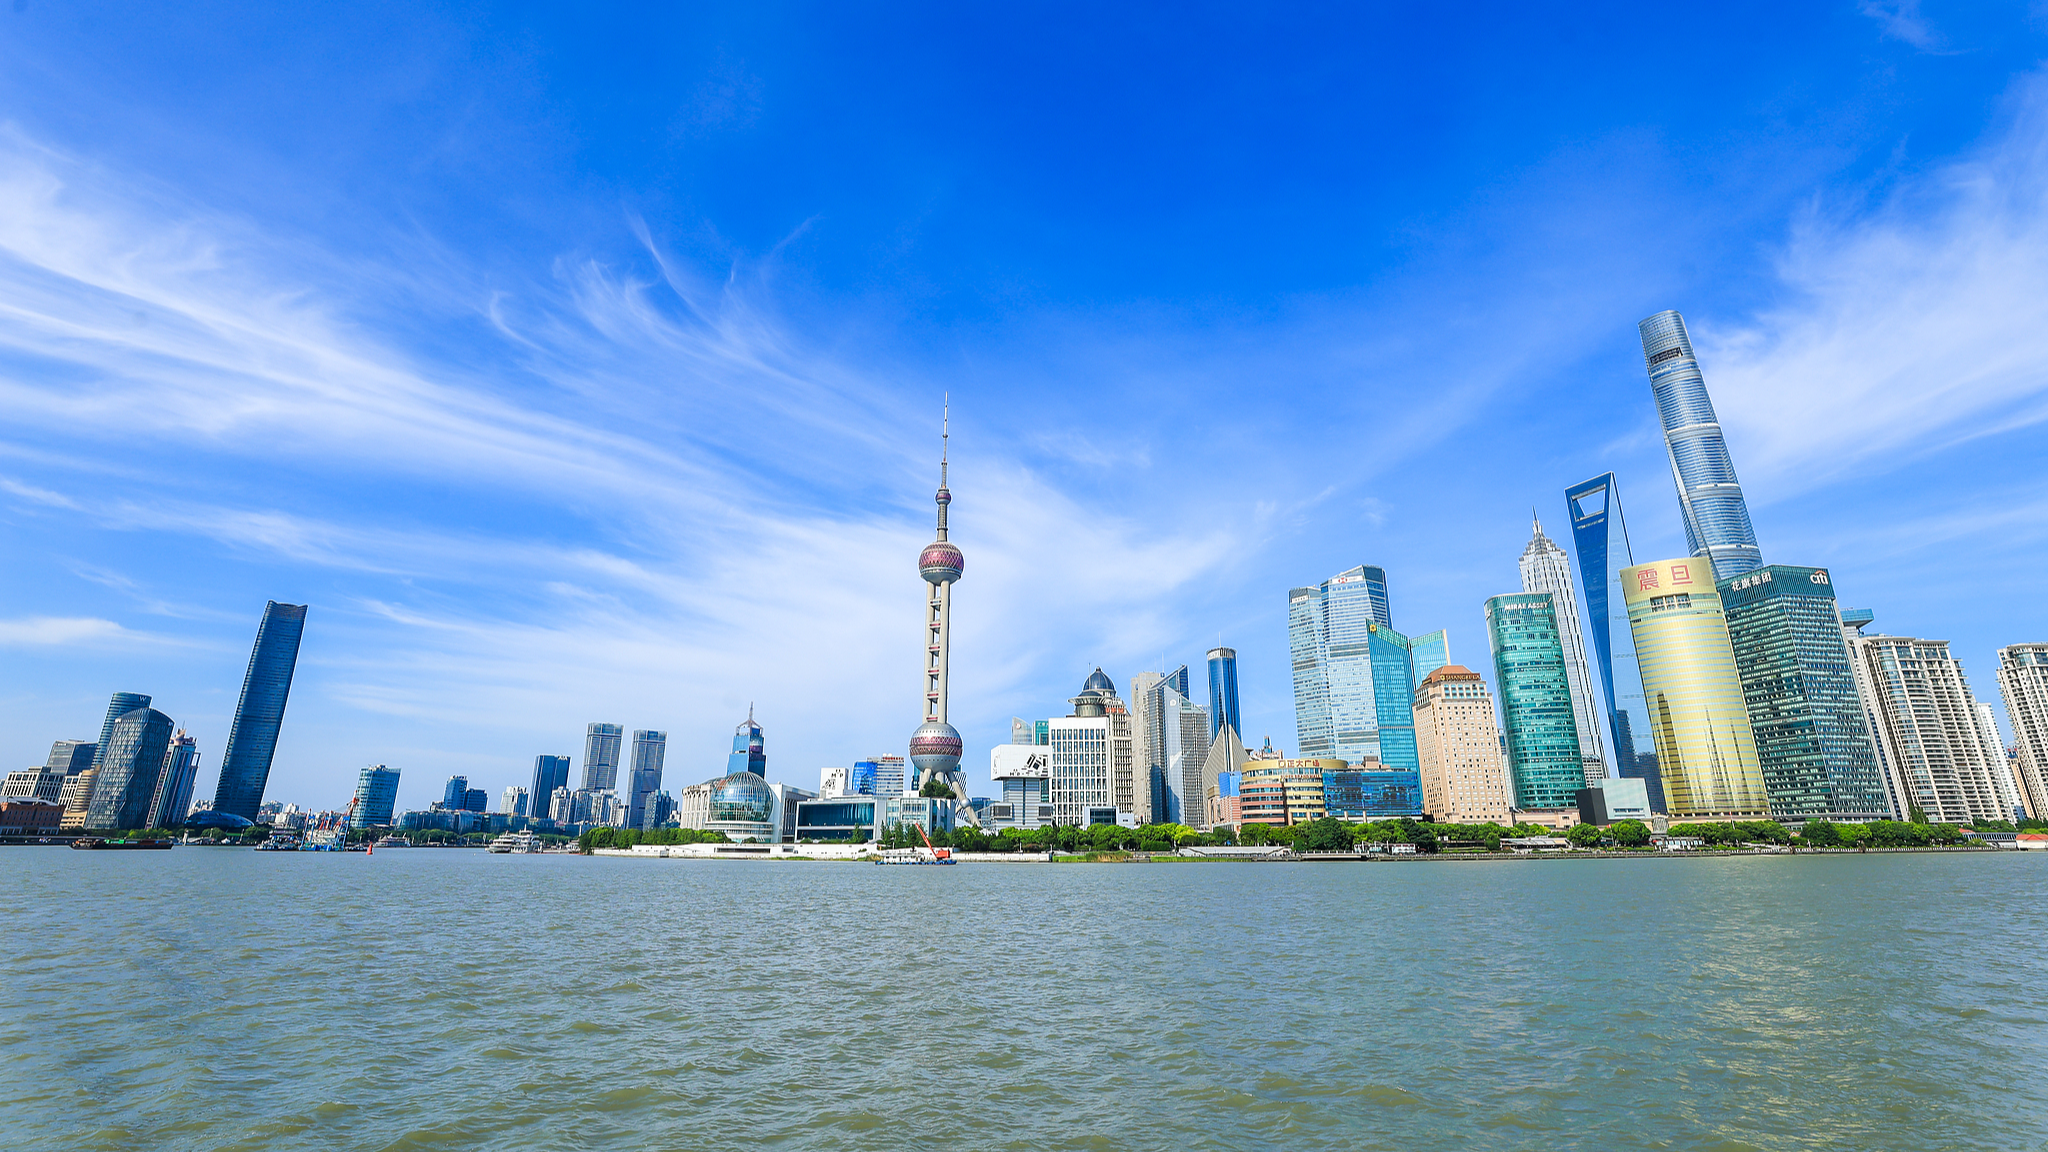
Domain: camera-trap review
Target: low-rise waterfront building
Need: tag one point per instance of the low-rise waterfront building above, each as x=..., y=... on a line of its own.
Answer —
x=1284, y=792
x=30, y=817
x=841, y=818
x=1614, y=798
x=1022, y=774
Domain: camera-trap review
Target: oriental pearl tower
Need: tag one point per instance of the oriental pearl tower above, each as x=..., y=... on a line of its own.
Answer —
x=935, y=747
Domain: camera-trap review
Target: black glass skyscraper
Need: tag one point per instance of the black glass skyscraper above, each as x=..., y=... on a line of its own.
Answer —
x=252, y=742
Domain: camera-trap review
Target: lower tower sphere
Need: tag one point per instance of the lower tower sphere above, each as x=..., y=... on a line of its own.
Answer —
x=935, y=749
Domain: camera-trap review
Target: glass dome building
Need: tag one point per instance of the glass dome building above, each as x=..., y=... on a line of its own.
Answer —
x=743, y=807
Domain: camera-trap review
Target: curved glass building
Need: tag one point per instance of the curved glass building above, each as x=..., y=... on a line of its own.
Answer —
x=252, y=741
x=1709, y=497
x=1698, y=714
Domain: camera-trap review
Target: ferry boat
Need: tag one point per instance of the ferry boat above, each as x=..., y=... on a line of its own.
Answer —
x=516, y=842
x=279, y=844
x=140, y=842
x=394, y=842
x=916, y=856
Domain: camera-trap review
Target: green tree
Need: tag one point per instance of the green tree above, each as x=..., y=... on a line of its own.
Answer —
x=1630, y=833
x=1821, y=834
x=1585, y=835
x=936, y=789
x=1327, y=834
x=1915, y=814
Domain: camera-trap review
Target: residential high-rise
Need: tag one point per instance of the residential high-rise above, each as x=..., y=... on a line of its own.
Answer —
x=1812, y=743
x=549, y=773
x=252, y=741
x=376, y=795
x=1464, y=778
x=1223, y=691
x=1926, y=725
x=2023, y=679
x=130, y=766
x=649, y=750
x=2004, y=773
x=1546, y=568
x=935, y=747
x=513, y=801
x=1705, y=748
x=1600, y=535
x=78, y=790
x=173, y=797
x=749, y=748
x=1709, y=497
x=1354, y=676
x=601, y=747
x=1545, y=761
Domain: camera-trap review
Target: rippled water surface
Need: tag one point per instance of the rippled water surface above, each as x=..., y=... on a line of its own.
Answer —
x=213, y=998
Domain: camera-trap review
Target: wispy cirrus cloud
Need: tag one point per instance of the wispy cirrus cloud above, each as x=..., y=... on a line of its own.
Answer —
x=1905, y=329
x=620, y=490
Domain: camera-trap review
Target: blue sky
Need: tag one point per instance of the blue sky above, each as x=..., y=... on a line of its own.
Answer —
x=586, y=363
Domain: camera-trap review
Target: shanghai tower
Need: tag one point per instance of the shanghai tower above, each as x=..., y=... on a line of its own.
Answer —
x=245, y=768
x=936, y=746
x=1709, y=497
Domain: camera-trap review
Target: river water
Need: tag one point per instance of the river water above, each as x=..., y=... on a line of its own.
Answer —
x=436, y=999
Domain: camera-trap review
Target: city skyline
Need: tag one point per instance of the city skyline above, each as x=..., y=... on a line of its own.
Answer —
x=505, y=529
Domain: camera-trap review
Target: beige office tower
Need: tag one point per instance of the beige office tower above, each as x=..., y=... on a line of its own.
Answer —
x=2023, y=678
x=1928, y=729
x=1706, y=750
x=1464, y=778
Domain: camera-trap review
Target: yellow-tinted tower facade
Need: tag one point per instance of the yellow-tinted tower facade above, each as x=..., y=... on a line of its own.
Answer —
x=1705, y=749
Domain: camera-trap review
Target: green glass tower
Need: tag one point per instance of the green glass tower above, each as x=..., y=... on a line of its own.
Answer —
x=1544, y=759
x=1811, y=741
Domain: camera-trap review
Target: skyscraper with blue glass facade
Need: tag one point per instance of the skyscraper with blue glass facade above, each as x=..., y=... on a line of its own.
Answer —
x=252, y=742
x=1354, y=676
x=749, y=750
x=549, y=773
x=1600, y=535
x=130, y=770
x=1544, y=758
x=1223, y=691
x=1709, y=497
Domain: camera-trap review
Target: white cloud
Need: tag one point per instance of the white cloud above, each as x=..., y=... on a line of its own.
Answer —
x=34, y=631
x=663, y=469
x=1905, y=330
x=1901, y=20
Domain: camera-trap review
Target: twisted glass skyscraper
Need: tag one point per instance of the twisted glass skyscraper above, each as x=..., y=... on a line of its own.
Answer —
x=252, y=742
x=1709, y=498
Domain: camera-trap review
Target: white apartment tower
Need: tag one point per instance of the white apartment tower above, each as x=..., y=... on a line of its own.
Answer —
x=1546, y=568
x=1464, y=776
x=2023, y=678
x=1927, y=727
